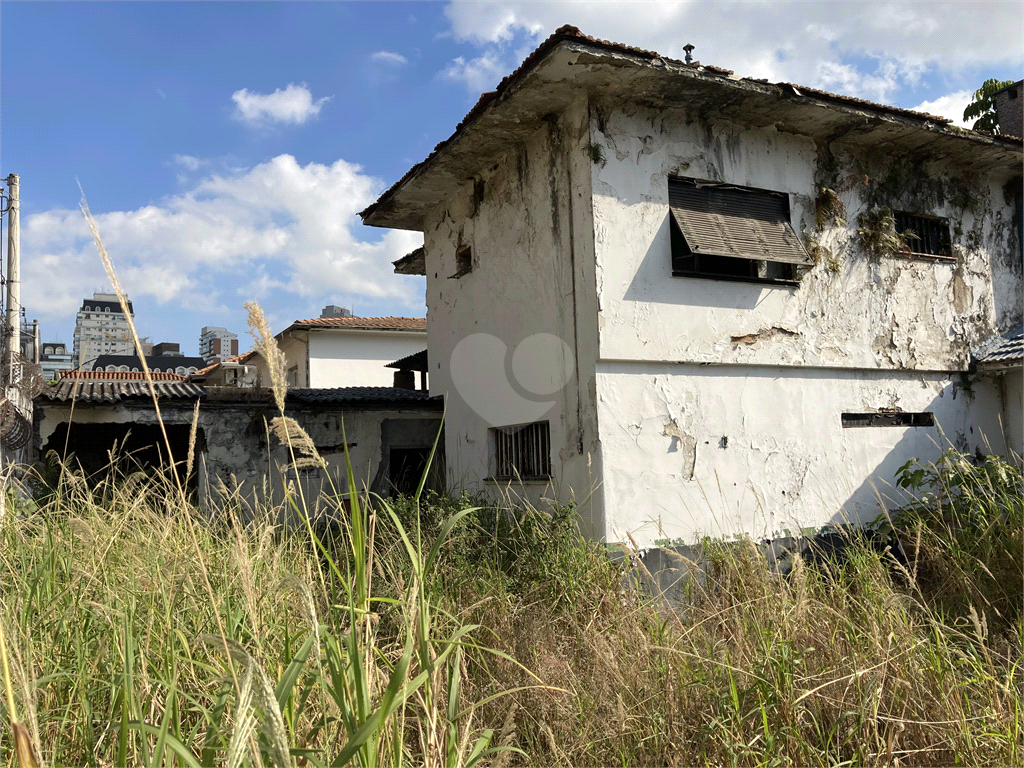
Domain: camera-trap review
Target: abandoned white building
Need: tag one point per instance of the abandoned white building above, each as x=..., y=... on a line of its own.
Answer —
x=345, y=351
x=701, y=304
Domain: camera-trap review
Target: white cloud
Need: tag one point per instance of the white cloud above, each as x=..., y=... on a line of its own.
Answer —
x=389, y=57
x=227, y=230
x=870, y=50
x=191, y=163
x=480, y=74
x=952, y=105
x=292, y=105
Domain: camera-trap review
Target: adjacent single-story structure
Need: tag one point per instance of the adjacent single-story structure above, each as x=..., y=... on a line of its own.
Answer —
x=388, y=433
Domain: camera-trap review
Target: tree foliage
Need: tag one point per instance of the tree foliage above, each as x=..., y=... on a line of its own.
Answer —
x=982, y=108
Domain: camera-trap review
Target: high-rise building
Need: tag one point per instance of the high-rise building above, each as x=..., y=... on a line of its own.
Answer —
x=54, y=357
x=216, y=344
x=101, y=328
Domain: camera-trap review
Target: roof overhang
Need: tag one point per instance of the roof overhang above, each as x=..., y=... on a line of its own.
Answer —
x=570, y=65
x=414, y=263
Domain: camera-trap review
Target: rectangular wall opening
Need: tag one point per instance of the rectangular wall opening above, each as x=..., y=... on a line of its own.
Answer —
x=853, y=420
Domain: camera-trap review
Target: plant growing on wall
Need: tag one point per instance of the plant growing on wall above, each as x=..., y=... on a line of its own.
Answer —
x=822, y=254
x=876, y=233
x=829, y=208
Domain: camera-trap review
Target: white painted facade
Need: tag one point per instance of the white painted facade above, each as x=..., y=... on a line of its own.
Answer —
x=356, y=358
x=753, y=378
x=699, y=406
x=326, y=357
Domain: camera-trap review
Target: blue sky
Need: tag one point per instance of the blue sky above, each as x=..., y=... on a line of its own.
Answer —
x=225, y=148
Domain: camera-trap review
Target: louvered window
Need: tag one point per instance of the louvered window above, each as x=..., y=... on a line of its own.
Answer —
x=733, y=233
x=522, y=451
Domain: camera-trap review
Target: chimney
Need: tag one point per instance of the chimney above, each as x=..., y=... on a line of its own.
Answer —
x=333, y=311
x=1009, y=106
x=405, y=379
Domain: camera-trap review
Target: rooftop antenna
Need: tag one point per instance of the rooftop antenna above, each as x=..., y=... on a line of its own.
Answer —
x=689, y=53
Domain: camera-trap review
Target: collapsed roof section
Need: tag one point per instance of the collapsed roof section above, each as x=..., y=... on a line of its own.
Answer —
x=569, y=62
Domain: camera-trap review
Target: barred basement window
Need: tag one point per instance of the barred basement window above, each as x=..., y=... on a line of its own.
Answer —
x=725, y=232
x=523, y=451
x=883, y=419
x=924, y=235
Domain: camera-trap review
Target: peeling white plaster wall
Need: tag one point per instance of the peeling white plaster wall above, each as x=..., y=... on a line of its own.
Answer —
x=719, y=402
x=722, y=450
x=889, y=313
x=527, y=218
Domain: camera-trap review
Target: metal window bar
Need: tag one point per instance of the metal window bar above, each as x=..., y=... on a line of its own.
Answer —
x=523, y=451
x=930, y=233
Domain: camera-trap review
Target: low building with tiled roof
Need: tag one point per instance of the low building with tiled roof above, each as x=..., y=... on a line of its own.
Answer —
x=1001, y=360
x=236, y=371
x=340, y=350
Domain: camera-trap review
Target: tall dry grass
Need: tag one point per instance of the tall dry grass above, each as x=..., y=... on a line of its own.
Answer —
x=449, y=629
x=139, y=629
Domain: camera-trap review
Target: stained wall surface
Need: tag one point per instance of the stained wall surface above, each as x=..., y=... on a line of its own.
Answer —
x=719, y=402
x=514, y=340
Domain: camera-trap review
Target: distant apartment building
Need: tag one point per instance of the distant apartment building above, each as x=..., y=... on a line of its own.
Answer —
x=101, y=328
x=217, y=344
x=54, y=357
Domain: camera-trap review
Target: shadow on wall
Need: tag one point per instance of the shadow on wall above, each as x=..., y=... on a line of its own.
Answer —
x=653, y=282
x=979, y=432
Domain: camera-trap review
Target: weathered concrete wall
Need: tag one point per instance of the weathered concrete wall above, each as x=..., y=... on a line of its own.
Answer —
x=357, y=358
x=719, y=402
x=851, y=310
x=720, y=450
x=236, y=455
x=527, y=219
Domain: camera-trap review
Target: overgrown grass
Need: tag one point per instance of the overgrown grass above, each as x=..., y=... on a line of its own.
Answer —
x=374, y=647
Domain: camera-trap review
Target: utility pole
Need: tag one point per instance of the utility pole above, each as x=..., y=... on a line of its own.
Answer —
x=13, y=277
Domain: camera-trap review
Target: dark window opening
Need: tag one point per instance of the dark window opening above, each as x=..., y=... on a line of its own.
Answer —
x=924, y=235
x=135, y=447
x=523, y=451
x=851, y=420
x=463, y=261
x=725, y=232
x=405, y=468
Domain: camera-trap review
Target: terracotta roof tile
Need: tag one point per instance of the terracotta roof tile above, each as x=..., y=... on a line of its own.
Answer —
x=368, y=323
x=121, y=375
x=108, y=391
